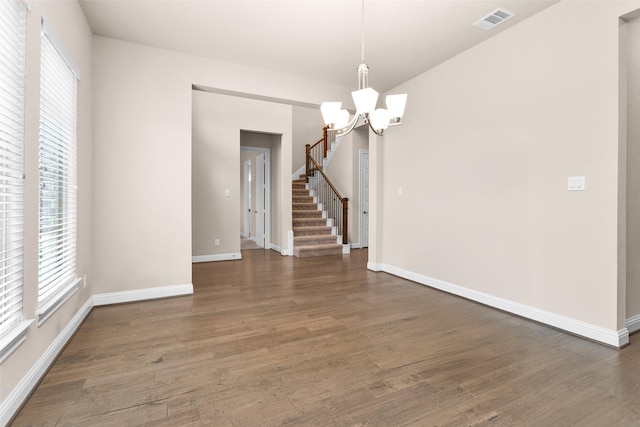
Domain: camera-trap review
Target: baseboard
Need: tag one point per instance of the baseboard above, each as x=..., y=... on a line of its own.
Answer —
x=216, y=257
x=633, y=324
x=346, y=249
x=277, y=248
x=283, y=252
x=142, y=294
x=288, y=252
x=374, y=266
x=606, y=336
x=20, y=393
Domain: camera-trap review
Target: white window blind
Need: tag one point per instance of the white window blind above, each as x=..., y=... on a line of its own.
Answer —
x=12, y=76
x=57, y=219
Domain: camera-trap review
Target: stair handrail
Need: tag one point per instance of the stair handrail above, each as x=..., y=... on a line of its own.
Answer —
x=311, y=163
x=327, y=139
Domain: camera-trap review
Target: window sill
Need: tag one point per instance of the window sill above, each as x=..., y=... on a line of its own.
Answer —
x=12, y=341
x=44, y=312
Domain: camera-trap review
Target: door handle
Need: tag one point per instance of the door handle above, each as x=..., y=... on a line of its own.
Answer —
x=365, y=212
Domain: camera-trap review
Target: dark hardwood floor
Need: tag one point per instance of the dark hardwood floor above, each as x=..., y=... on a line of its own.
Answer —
x=273, y=340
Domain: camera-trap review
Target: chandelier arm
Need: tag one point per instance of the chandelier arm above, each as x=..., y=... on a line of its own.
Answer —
x=349, y=127
x=377, y=132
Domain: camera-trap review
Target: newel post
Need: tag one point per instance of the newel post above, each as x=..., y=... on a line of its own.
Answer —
x=345, y=221
x=326, y=140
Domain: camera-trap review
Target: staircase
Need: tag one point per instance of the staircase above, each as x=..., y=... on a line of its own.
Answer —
x=313, y=234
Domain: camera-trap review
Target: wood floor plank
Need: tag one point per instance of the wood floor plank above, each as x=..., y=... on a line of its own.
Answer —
x=272, y=340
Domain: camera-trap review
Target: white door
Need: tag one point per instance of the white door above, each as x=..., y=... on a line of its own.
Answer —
x=260, y=199
x=364, y=198
x=246, y=207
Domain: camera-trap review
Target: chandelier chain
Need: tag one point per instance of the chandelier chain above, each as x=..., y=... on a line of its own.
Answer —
x=362, y=32
x=365, y=99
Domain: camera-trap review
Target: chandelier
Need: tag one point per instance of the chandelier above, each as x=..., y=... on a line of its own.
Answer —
x=365, y=100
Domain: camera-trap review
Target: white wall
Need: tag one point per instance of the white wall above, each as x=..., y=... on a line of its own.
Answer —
x=488, y=142
x=217, y=124
x=143, y=138
x=70, y=27
x=307, y=129
x=633, y=171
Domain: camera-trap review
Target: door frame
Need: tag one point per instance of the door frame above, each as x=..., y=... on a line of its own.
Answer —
x=267, y=184
x=363, y=243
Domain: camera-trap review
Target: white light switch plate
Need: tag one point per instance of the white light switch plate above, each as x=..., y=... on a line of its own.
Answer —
x=576, y=183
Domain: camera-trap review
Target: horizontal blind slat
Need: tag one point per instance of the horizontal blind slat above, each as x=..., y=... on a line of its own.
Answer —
x=12, y=87
x=57, y=152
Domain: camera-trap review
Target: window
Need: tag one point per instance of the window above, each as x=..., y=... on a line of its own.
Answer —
x=57, y=156
x=12, y=75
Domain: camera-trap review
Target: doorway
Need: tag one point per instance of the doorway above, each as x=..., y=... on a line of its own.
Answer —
x=246, y=208
x=364, y=198
x=255, y=232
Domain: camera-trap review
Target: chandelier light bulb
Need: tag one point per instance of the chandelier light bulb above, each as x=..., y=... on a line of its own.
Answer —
x=395, y=105
x=330, y=112
x=380, y=119
x=342, y=119
x=365, y=100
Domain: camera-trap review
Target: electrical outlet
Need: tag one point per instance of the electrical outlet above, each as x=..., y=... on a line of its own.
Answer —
x=216, y=242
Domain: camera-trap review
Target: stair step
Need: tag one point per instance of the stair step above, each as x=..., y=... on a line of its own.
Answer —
x=306, y=214
x=309, y=222
x=321, y=239
x=304, y=206
x=312, y=234
x=311, y=230
x=317, y=250
x=302, y=199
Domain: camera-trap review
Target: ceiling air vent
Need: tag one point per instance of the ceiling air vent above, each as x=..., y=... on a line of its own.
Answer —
x=496, y=17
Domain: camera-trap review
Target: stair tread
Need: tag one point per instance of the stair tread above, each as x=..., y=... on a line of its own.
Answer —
x=300, y=213
x=317, y=250
x=322, y=246
x=329, y=238
x=305, y=206
x=312, y=231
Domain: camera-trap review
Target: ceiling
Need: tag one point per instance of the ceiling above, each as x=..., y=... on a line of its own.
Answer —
x=315, y=39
